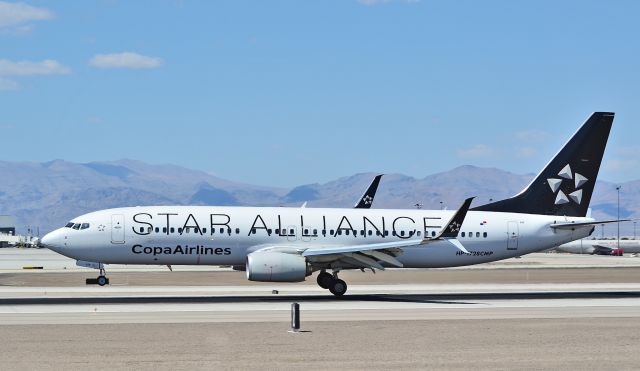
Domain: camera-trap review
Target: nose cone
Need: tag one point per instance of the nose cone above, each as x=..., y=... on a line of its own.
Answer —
x=54, y=240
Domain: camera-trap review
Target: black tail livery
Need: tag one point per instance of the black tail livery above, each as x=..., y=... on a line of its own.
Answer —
x=367, y=198
x=566, y=184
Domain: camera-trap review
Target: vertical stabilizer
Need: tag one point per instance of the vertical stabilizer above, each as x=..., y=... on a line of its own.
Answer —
x=566, y=184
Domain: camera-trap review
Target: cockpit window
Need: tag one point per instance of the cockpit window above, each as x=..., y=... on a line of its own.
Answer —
x=84, y=226
x=76, y=226
x=69, y=225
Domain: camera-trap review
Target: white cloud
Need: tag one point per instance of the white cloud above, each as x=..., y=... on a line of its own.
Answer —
x=531, y=136
x=628, y=151
x=6, y=84
x=617, y=165
x=526, y=152
x=478, y=150
x=28, y=68
x=124, y=60
x=16, y=14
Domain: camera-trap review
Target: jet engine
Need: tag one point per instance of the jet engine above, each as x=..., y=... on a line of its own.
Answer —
x=271, y=266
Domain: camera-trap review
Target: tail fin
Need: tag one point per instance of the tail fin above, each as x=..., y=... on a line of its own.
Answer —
x=367, y=198
x=566, y=184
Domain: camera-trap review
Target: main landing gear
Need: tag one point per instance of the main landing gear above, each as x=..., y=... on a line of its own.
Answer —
x=331, y=281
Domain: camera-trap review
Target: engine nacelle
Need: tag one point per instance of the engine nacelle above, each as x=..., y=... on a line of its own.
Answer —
x=276, y=267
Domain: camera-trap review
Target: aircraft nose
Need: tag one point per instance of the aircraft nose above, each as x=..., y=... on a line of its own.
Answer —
x=53, y=240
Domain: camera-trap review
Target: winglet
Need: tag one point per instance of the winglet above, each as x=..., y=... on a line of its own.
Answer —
x=367, y=198
x=453, y=227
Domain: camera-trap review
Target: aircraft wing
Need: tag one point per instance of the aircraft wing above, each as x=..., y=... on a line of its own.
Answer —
x=570, y=225
x=371, y=255
x=367, y=198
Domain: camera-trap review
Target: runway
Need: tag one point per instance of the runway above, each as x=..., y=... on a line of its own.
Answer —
x=528, y=317
x=399, y=302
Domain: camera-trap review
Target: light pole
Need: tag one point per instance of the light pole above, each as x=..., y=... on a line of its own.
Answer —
x=634, y=230
x=618, y=189
x=441, y=205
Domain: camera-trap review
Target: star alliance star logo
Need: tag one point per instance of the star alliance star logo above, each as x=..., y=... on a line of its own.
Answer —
x=101, y=228
x=454, y=227
x=367, y=200
x=578, y=181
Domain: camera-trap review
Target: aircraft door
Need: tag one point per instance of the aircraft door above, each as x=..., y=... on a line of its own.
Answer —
x=117, y=228
x=512, y=235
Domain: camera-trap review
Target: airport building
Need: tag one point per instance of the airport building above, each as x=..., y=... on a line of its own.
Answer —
x=7, y=230
x=7, y=225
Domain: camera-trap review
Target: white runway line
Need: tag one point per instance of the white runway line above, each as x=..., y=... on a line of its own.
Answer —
x=283, y=289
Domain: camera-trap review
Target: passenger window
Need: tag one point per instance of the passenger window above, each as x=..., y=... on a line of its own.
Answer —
x=315, y=232
x=346, y=232
x=377, y=233
x=386, y=233
x=484, y=235
x=402, y=233
x=306, y=231
x=477, y=234
x=204, y=230
x=157, y=229
x=172, y=230
x=221, y=230
x=324, y=232
x=141, y=229
x=292, y=232
x=418, y=233
x=164, y=230
x=339, y=232
x=180, y=230
x=268, y=231
x=433, y=233
x=462, y=234
x=393, y=233
x=370, y=233
x=253, y=231
x=331, y=232
x=237, y=230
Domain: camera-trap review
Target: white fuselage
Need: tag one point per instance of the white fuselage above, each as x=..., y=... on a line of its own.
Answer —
x=207, y=235
x=590, y=246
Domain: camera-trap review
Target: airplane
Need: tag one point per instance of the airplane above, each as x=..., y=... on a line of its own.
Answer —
x=280, y=244
x=600, y=247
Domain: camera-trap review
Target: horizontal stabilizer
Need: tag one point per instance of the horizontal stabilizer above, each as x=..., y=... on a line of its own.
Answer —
x=582, y=224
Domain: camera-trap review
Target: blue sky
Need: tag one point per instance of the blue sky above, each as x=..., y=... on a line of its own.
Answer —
x=290, y=92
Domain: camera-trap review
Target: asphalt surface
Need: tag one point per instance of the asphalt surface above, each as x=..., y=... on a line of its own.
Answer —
x=499, y=344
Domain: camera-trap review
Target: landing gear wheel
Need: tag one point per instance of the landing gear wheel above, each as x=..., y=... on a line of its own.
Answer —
x=338, y=288
x=325, y=280
x=102, y=280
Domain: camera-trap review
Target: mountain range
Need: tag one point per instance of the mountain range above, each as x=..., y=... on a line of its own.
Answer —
x=47, y=195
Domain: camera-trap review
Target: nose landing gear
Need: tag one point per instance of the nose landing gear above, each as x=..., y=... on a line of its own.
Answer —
x=101, y=280
x=331, y=282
